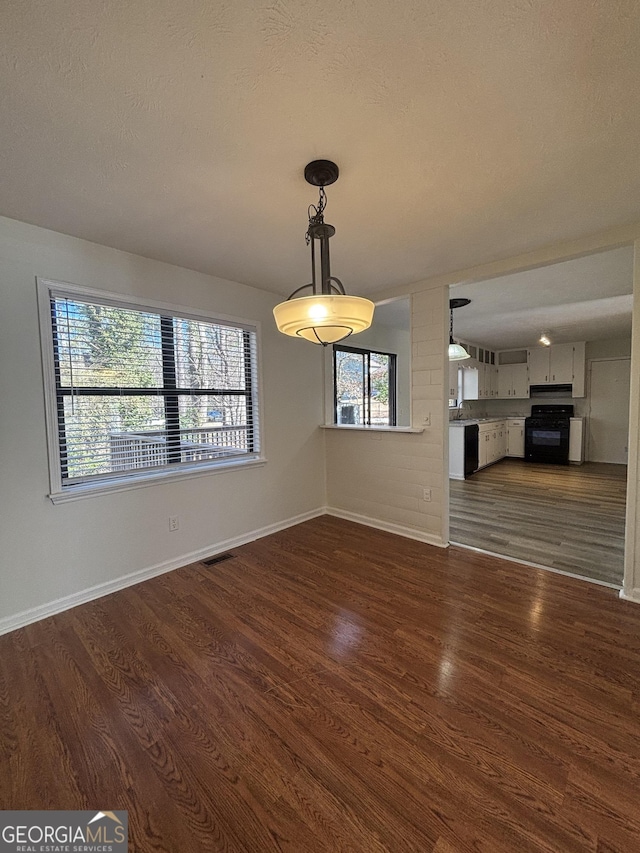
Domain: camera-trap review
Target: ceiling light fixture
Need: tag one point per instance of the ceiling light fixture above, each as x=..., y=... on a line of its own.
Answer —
x=545, y=340
x=329, y=315
x=456, y=351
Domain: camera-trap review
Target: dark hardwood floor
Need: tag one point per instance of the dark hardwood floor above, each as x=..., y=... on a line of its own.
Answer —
x=335, y=688
x=569, y=517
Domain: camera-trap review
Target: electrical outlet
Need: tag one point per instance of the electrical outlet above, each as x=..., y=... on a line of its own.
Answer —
x=174, y=522
x=426, y=494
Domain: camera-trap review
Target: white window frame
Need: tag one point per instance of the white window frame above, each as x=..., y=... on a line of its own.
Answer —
x=59, y=493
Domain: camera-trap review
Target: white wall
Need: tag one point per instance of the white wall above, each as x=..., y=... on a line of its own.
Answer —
x=50, y=552
x=378, y=478
x=612, y=348
x=392, y=340
x=387, y=502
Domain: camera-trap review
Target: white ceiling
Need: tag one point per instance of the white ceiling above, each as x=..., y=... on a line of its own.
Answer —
x=586, y=299
x=465, y=132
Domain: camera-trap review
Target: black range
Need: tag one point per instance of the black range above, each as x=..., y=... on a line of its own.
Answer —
x=546, y=436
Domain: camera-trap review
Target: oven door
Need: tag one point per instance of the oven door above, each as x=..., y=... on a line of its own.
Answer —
x=546, y=442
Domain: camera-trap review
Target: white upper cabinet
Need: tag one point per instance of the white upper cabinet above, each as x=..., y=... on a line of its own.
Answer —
x=453, y=380
x=513, y=381
x=509, y=373
x=513, y=374
x=551, y=365
x=559, y=364
x=487, y=379
x=539, y=366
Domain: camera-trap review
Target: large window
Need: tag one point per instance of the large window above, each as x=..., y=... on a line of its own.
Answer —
x=136, y=391
x=364, y=384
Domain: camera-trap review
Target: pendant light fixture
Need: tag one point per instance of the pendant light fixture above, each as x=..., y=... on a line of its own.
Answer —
x=328, y=315
x=456, y=351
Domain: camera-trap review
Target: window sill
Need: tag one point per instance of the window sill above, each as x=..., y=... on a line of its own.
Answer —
x=125, y=484
x=358, y=427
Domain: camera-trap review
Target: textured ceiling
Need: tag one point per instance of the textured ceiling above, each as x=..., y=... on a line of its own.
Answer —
x=464, y=131
x=586, y=299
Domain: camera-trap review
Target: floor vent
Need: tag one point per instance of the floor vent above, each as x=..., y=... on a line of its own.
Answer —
x=219, y=558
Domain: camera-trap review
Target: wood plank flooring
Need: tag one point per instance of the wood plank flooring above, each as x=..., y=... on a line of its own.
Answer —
x=335, y=688
x=567, y=517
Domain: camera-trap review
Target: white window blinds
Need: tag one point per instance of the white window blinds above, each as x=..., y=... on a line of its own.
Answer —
x=140, y=390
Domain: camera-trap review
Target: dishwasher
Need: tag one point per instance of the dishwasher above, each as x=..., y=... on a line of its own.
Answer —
x=471, y=443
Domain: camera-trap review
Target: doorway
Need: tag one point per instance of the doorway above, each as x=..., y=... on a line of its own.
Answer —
x=608, y=424
x=568, y=518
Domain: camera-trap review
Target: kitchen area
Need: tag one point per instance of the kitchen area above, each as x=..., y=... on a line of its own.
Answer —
x=547, y=430
x=538, y=418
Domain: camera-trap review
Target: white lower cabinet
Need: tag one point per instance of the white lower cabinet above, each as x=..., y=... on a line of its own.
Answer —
x=492, y=439
x=483, y=438
x=515, y=437
x=576, y=440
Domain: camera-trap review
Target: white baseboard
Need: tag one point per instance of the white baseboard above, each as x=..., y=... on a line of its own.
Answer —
x=26, y=617
x=631, y=595
x=35, y=614
x=389, y=527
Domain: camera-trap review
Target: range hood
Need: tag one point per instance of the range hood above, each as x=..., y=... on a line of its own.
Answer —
x=551, y=391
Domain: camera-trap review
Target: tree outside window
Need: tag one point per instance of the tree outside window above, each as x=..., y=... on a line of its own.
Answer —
x=135, y=390
x=364, y=387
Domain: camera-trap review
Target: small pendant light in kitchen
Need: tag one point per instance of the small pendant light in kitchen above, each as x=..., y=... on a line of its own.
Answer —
x=456, y=351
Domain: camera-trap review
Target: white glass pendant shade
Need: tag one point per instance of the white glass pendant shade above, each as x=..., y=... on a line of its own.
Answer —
x=457, y=352
x=324, y=318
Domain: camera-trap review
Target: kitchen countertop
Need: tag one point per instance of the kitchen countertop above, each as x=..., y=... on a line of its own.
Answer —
x=495, y=419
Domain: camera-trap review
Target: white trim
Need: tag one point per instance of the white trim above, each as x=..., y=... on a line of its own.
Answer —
x=49, y=384
x=537, y=566
x=97, y=489
x=632, y=595
x=34, y=614
x=389, y=527
x=372, y=428
x=48, y=288
x=119, y=300
x=633, y=469
x=328, y=378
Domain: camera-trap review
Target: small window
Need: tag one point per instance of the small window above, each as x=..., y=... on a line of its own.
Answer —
x=138, y=392
x=364, y=384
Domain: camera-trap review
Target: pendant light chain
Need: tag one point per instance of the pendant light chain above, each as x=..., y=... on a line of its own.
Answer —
x=317, y=218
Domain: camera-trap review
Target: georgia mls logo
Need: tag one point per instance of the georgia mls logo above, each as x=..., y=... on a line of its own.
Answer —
x=110, y=815
x=63, y=832
x=116, y=831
